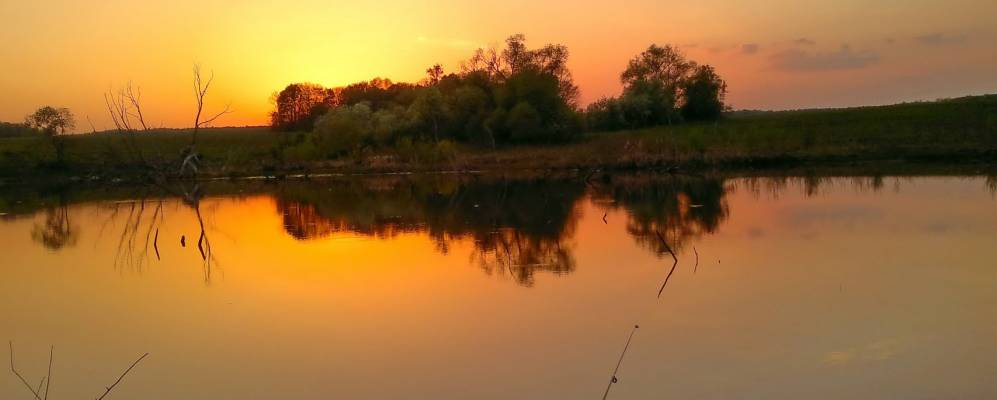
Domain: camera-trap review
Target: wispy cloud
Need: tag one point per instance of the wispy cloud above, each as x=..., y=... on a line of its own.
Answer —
x=841, y=59
x=940, y=39
x=804, y=42
x=749, y=48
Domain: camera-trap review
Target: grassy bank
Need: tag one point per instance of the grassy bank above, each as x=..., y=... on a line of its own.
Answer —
x=960, y=130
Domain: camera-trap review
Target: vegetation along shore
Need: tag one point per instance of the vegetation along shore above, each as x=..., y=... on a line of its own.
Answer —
x=509, y=108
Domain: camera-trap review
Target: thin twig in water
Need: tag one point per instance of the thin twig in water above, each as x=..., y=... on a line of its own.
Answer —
x=674, y=264
x=18, y=374
x=613, y=379
x=121, y=377
x=48, y=378
x=155, y=244
x=696, y=267
x=604, y=220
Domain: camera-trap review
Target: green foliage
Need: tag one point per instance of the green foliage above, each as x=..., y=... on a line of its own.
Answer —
x=704, y=95
x=300, y=153
x=524, y=123
x=661, y=87
x=421, y=152
x=344, y=129
x=516, y=95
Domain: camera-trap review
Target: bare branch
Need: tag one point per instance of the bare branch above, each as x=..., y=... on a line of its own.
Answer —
x=48, y=378
x=18, y=374
x=92, y=128
x=134, y=96
x=109, y=388
x=613, y=379
x=200, y=92
x=674, y=264
x=227, y=110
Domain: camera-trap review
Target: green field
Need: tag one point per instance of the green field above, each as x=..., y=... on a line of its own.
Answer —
x=953, y=131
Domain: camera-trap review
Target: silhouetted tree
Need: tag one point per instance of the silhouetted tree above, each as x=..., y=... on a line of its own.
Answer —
x=53, y=123
x=515, y=94
x=656, y=76
x=704, y=94
x=298, y=106
x=434, y=74
x=660, y=86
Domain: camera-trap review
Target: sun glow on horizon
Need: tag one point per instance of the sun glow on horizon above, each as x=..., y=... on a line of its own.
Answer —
x=774, y=56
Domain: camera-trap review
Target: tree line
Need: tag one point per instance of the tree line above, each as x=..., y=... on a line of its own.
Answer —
x=499, y=96
x=508, y=95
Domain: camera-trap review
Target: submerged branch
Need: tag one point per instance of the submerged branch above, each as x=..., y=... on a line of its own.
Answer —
x=675, y=262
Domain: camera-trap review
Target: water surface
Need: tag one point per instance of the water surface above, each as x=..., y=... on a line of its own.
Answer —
x=443, y=288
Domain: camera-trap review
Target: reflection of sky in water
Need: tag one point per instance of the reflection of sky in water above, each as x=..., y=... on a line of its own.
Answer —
x=451, y=291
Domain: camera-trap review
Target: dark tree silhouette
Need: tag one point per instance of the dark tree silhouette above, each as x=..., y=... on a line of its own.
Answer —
x=299, y=104
x=434, y=74
x=660, y=86
x=704, y=95
x=54, y=123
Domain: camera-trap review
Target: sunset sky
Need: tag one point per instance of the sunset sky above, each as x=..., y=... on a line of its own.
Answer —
x=775, y=55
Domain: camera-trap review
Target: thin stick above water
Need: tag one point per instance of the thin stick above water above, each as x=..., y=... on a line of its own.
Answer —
x=18, y=374
x=613, y=379
x=121, y=377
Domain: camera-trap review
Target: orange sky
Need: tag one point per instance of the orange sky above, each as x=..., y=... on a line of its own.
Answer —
x=776, y=55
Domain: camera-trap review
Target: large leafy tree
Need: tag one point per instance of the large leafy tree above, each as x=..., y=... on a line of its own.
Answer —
x=299, y=104
x=51, y=121
x=54, y=123
x=704, y=94
x=656, y=75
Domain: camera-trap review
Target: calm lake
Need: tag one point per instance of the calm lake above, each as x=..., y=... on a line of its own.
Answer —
x=435, y=287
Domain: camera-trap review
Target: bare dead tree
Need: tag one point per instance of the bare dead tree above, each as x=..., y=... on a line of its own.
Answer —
x=134, y=96
x=118, y=109
x=201, y=86
x=201, y=90
x=120, y=105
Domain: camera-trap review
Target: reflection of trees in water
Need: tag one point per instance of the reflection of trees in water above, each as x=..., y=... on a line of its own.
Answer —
x=139, y=232
x=313, y=211
x=142, y=220
x=812, y=185
x=681, y=208
x=521, y=256
x=57, y=231
x=518, y=228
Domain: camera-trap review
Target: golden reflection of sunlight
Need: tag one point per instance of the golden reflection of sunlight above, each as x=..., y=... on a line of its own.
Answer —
x=839, y=357
x=880, y=350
